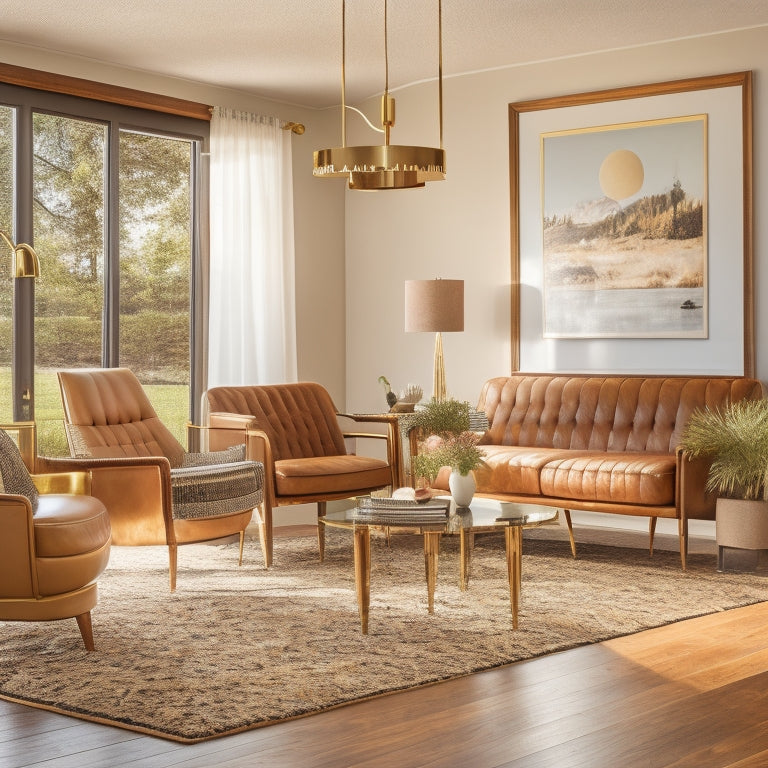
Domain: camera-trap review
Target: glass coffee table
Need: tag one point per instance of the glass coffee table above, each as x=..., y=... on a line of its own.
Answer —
x=482, y=516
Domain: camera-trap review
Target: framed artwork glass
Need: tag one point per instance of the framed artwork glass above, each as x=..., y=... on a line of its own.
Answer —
x=631, y=218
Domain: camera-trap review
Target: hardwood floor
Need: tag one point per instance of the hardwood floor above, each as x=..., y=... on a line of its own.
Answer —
x=688, y=695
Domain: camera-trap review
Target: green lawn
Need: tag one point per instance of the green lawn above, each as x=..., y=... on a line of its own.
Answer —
x=171, y=401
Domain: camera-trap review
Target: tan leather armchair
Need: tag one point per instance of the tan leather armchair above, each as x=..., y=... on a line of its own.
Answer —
x=294, y=430
x=54, y=545
x=155, y=491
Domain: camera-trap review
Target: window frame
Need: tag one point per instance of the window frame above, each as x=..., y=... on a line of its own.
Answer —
x=116, y=117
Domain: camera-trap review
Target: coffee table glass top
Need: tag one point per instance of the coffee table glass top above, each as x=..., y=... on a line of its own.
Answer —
x=481, y=513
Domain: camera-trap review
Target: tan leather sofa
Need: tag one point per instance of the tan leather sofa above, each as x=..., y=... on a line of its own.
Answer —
x=600, y=443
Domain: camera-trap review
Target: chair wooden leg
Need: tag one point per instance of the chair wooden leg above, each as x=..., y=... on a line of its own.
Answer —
x=651, y=534
x=567, y=515
x=173, y=561
x=242, y=544
x=86, y=630
x=321, y=510
x=265, y=532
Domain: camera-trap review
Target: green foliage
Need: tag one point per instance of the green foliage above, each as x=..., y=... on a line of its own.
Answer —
x=443, y=417
x=735, y=438
x=448, y=441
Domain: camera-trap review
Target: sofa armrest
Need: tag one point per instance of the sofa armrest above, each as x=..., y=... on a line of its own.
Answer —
x=693, y=500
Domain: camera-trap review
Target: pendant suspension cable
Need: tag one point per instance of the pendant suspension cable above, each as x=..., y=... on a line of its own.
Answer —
x=386, y=53
x=386, y=110
x=440, y=66
x=343, y=73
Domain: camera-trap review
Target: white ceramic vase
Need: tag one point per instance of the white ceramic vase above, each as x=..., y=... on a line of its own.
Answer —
x=462, y=487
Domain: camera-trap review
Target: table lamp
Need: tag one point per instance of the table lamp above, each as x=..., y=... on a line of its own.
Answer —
x=435, y=306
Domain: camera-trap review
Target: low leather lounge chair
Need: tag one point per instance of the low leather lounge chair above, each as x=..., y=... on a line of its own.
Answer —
x=155, y=491
x=54, y=545
x=294, y=430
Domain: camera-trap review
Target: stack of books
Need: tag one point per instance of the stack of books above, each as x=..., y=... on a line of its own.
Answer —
x=373, y=509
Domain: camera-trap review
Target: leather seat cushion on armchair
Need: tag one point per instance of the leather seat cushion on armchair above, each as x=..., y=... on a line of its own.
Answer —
x=72, y=541
x=329, y=474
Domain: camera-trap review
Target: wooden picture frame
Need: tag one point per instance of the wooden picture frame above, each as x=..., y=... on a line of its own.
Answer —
x=726, y=101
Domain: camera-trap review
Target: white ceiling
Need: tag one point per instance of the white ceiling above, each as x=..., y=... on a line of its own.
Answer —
x=290, y=50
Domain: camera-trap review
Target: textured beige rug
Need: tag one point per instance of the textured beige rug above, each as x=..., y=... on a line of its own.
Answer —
x=237, y=648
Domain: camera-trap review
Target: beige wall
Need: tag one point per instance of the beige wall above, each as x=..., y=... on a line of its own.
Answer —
x=319, y=207
x=459, y=228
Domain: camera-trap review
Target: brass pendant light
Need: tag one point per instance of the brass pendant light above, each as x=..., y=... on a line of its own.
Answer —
x=388, y=166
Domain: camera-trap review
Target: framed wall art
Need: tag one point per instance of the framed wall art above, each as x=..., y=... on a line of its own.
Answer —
x=631, y=224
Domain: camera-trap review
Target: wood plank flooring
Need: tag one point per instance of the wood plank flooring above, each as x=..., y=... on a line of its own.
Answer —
x=689, y=695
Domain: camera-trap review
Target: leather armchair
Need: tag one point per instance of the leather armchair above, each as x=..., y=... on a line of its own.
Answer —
x=294, y=430
x=54, y=546
x=156, y=492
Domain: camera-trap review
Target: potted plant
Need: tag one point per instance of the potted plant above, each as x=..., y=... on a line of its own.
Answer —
x=735, y=440
x=448, y=442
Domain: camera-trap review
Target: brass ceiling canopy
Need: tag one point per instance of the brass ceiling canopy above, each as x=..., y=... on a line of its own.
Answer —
x=387, y=166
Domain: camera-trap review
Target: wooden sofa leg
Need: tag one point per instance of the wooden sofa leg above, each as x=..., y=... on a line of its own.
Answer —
x=242, y=544
x=651, y=534
x=567, y=515
x=86, y=630
x=321, y=510
x=682, y=524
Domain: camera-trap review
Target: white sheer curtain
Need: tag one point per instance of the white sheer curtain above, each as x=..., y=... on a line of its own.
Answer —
x=252, y=315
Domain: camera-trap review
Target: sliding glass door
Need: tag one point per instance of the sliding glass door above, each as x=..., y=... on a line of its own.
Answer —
x=114, y=220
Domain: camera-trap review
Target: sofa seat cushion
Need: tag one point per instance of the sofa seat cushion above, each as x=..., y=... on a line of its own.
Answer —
x=628, y=478
x=330, y=474
x=515, y=469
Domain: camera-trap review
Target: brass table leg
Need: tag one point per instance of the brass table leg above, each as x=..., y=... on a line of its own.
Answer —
x=362, y=550
x=514, y=541
x=465, y=555
x=431, y=556
x=321, y=508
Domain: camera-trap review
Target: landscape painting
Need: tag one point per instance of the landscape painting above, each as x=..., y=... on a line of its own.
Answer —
x=624, y=218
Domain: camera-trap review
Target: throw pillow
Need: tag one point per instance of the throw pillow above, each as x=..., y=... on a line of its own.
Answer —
x=14, y=475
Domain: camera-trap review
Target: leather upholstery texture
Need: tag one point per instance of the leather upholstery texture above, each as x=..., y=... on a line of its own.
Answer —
x=600, y=443
x=156, y=492
x=50, y=559
x=294, y=430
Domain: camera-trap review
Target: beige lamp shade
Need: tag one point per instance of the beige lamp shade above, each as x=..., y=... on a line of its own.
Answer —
x=434, y=305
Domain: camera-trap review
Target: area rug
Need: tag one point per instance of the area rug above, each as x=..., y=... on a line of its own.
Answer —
x=238, y=648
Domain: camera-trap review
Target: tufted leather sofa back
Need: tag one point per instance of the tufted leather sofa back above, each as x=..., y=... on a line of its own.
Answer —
x=606, y=413
x=299, y=419
x=108, y=415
